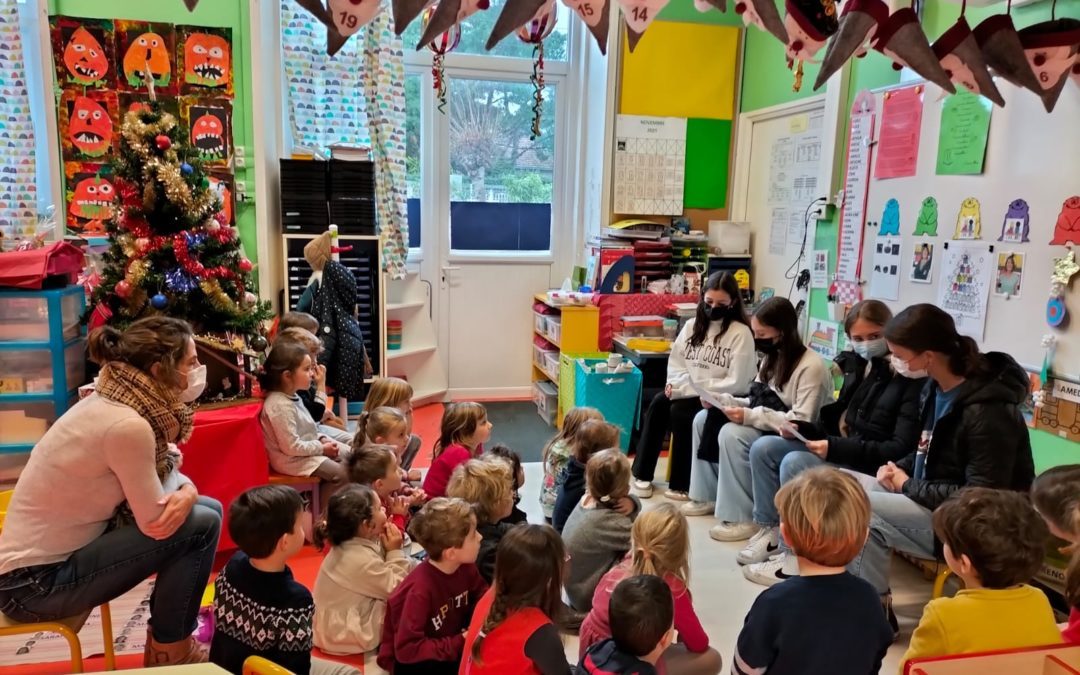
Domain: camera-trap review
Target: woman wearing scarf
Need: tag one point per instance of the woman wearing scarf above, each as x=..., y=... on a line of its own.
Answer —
x=101, y=505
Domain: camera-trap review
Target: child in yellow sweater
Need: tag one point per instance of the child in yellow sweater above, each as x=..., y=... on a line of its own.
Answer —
x=994, y=541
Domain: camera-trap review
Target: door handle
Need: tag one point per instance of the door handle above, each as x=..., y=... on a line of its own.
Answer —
x=448, y=268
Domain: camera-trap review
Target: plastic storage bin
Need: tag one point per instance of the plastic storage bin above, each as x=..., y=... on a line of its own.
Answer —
x=551, y=364
x=546, y=397
x=616, y=395
x=554, y=328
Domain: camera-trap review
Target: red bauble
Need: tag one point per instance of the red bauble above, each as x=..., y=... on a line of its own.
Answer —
x=163, y=142
x=245, y=265
x=123, y=289
x=142, y=245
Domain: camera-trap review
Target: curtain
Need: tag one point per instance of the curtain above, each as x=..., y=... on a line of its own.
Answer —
x=18, y=172
x=356, y=97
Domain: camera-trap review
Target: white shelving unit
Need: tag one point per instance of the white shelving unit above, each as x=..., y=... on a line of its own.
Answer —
x=418, y=360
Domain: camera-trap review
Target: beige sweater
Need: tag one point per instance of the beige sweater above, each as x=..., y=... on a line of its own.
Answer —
x=95, y=456
x=354, y=581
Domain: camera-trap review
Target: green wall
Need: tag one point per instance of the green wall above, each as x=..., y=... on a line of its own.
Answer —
x=767, y=82
x=223, y=13
x=684, y=11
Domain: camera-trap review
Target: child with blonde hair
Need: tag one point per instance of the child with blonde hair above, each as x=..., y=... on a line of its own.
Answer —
x=486, y=483
x=465, y=429
x=426, y=616
x=508, y=455
x=394, y=392
x=660, y=546
x=556, y=455
x=597, y=536
x=826, y=620
x=364, y=566
x=376, y=466
x=591, y=437
x=1056, y=496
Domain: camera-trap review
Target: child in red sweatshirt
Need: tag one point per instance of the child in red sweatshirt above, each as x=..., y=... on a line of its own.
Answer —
x=426, y=616
x=465, y=428
x=377, y=467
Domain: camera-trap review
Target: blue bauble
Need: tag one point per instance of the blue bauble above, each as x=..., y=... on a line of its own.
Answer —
x=159, y=301
x=186, y=169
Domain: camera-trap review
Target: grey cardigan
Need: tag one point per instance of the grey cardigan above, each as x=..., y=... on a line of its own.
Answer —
x=597, y=539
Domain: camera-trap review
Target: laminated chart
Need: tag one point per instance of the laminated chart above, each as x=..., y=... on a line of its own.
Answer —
x=650, y=165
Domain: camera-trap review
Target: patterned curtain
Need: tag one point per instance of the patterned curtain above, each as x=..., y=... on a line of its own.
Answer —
x=18, y=173
x=356, y=97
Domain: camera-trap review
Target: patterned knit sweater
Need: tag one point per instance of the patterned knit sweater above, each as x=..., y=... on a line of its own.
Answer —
x=264, y=614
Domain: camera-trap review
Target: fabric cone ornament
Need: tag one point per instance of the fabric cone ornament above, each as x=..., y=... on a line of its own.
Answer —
x=1076, y=71
x=902, y=39
x=515, y=15
x=638, y=14
x=594, y=13
x=1051, y=48
x=191, y=4
x=446, y=14
x=959, y=55
x=705, y=5
x=1002, y=51
x=406, y=11
x=763, y=14
x=349, y=16
x=857, y=27
x=809, y=24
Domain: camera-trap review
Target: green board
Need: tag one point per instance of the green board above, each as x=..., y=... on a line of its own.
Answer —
x=708, y=153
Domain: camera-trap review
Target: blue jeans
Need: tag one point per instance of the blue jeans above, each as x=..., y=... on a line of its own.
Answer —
x=727, y=482
x=773, y=462
x=116, y=562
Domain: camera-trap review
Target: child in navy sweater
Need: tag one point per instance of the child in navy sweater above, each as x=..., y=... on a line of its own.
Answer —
x=592, y=437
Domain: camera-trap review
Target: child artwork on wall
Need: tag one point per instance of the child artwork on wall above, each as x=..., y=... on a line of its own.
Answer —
x=204, y=60
x=1010, y=270
x=89, y=196
x=926, y=225
x=1016, y=226
x=885, y=279
x=922, y=263
x=209, y=129
x=141, y=46
x=84, y=52
x=890, y=219
x=1067, y=226
x=88, y=124
x=221, y=182
x=969, y=220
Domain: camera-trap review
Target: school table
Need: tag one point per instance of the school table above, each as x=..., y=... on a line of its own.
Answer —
x=226, y=455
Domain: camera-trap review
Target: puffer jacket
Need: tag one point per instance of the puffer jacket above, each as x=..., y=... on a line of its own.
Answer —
x=981, y=441
x=881, y=410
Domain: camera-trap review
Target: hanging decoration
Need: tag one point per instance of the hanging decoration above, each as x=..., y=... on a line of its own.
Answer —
x=705, y=5
x=533, y=33
x=595, y=15
x=857, y=27
x=191, y=5
x=959, y=54
x=515, y=15
x=1001, y=50
x=1051, y=48
x=405, y=11
x=343, y=18
x=902, y=39
x=763, y=14
x=1064, y=269
x=441, y=46
x=638, y=15
x=449, y=13
x=808, y=23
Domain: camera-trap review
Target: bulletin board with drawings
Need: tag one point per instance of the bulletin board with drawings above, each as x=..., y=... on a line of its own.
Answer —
x=979, y=245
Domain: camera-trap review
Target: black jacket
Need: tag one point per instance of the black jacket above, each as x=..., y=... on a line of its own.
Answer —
x=982, y=441
x=492, y=534
x=343, y=353
x=605, y=658
x=881, y=410
x=570, y=493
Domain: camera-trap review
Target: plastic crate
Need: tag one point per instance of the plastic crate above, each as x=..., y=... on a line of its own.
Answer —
x=551, y=364
x=616, y=395
x=554, y=327
x=566, y=379
x=546, y=397
x=540, y=323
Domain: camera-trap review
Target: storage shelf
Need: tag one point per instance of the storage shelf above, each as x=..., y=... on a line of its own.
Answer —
x=402, y=306
x=547, y=337
x=15, y=448
x=35, y=397
x=421, y=394
x=28, y=345
x=392, y=354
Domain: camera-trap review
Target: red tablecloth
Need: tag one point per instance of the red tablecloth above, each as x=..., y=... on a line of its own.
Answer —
x=614, y=306
x=226, y=456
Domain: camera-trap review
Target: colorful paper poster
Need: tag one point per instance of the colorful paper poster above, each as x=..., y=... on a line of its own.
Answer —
x=89, y=196
x=89, y=124
x=222, y=183
x=824, y=336
x=204, y=60
x=209, y=124
x=885, y=278
x=969, y=220
x=1016, y=226
x=84, y=51
x=131, y=100
x=819, y=269
x=967, y=270
x=708, y=149
x=901, y=129
x=142, y=47
x=1010, y=272
x=856, y=185
x=650, y=164
x=922, y=263
x=965, y=126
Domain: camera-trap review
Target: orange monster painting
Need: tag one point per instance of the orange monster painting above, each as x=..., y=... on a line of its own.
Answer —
x=88, y=123
x=206, y=58
x=91, y=198
x=208, y=126
x=146, y=47
x=83, y=52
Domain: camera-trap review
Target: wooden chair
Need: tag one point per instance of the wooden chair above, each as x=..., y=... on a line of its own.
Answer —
x=1048, y=660
x=67, y=628
x=302, y=484
x=257, y=665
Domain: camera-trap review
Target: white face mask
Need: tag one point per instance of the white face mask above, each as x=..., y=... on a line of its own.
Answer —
x=871, y=349
x=196, y=384
x=902, y=368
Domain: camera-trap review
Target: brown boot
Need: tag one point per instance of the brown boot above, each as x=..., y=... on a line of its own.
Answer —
x=185, y=651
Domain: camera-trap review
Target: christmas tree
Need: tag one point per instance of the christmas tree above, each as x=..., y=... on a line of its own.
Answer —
x=171, y=251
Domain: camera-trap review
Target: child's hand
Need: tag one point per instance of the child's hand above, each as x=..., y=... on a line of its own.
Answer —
x=330, y=448
x=418, y=497
x=625, y=506
x=319, y=371
x=392, y=539
x=399, y=506
x=414, y=474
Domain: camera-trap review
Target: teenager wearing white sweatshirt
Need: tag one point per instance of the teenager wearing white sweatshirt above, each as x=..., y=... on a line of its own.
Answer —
x=714, y=353
x=793, y=383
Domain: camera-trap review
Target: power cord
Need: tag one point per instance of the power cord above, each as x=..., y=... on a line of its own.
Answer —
x=794, y=272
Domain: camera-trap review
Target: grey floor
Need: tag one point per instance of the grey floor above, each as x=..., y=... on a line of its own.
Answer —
x=518, y=425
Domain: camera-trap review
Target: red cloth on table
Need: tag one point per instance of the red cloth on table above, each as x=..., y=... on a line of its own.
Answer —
x=614, y=306
x=226, y=455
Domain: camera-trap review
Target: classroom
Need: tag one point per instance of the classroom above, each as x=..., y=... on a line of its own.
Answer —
x=540, y=337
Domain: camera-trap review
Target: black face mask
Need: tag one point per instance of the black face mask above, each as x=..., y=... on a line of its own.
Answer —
x=716, y=312
x=766, y=346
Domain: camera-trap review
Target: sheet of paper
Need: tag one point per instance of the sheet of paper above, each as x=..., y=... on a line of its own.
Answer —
x=885, y=277
x=965, y=126
x=856, y=184
x=650, y=165
x=898, y=144
x=778, y=231
x=823, y=337
x=721, y=401
x=819, y=269
x=964, y=280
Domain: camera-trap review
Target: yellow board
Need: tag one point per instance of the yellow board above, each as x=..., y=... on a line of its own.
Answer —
x=681, y=70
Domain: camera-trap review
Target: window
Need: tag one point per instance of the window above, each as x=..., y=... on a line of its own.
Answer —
x=476, y=29
x=413, y=100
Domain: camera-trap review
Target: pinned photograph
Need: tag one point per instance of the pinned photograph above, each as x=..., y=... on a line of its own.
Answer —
x=922, y=263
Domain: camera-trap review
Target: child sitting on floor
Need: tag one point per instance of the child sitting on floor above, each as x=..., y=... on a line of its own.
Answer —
x=507, y=454
x=641, y=613
x=556, y=455
x=259, y=609
x=426, y=617
x=513, y=629
x=592, y=437
x=486, y=484
x=1056, y=496
x=826, y=620
x=597, y=536
x=364, y=566
x=394, y=392
x=376, y=466
x=388, y=426
x=465, y=428
x=995, y=542
x=660, y=546
x=293, y=442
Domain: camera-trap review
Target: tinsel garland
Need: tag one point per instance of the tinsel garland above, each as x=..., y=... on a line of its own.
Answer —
x=537, y=80
x=163, y=166
x=217, y=296
x=136, y=272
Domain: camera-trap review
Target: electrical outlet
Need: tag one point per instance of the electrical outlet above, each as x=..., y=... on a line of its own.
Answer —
x=239, y=161
x=818, y=211
x=241, y=186
x=240, y=150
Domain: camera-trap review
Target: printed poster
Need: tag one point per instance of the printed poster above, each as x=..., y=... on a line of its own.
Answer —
x=824, y=337
x=901, y=130
x=885, y=277
x=966, y=275
x=650, y=165
x=922, y=263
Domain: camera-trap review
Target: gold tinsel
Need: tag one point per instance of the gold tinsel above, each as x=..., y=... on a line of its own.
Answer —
x=136, y=272
x=127, y=245
x=163, y=167
x=217, y=296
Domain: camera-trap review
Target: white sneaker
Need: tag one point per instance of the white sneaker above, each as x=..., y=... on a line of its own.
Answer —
x=726, y=531
x=692, y=508
x=760, y=547
x=774, y=570
x=641, y=488
x=677, y=496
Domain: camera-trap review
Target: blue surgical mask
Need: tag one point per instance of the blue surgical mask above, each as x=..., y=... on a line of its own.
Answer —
x=871, y=349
